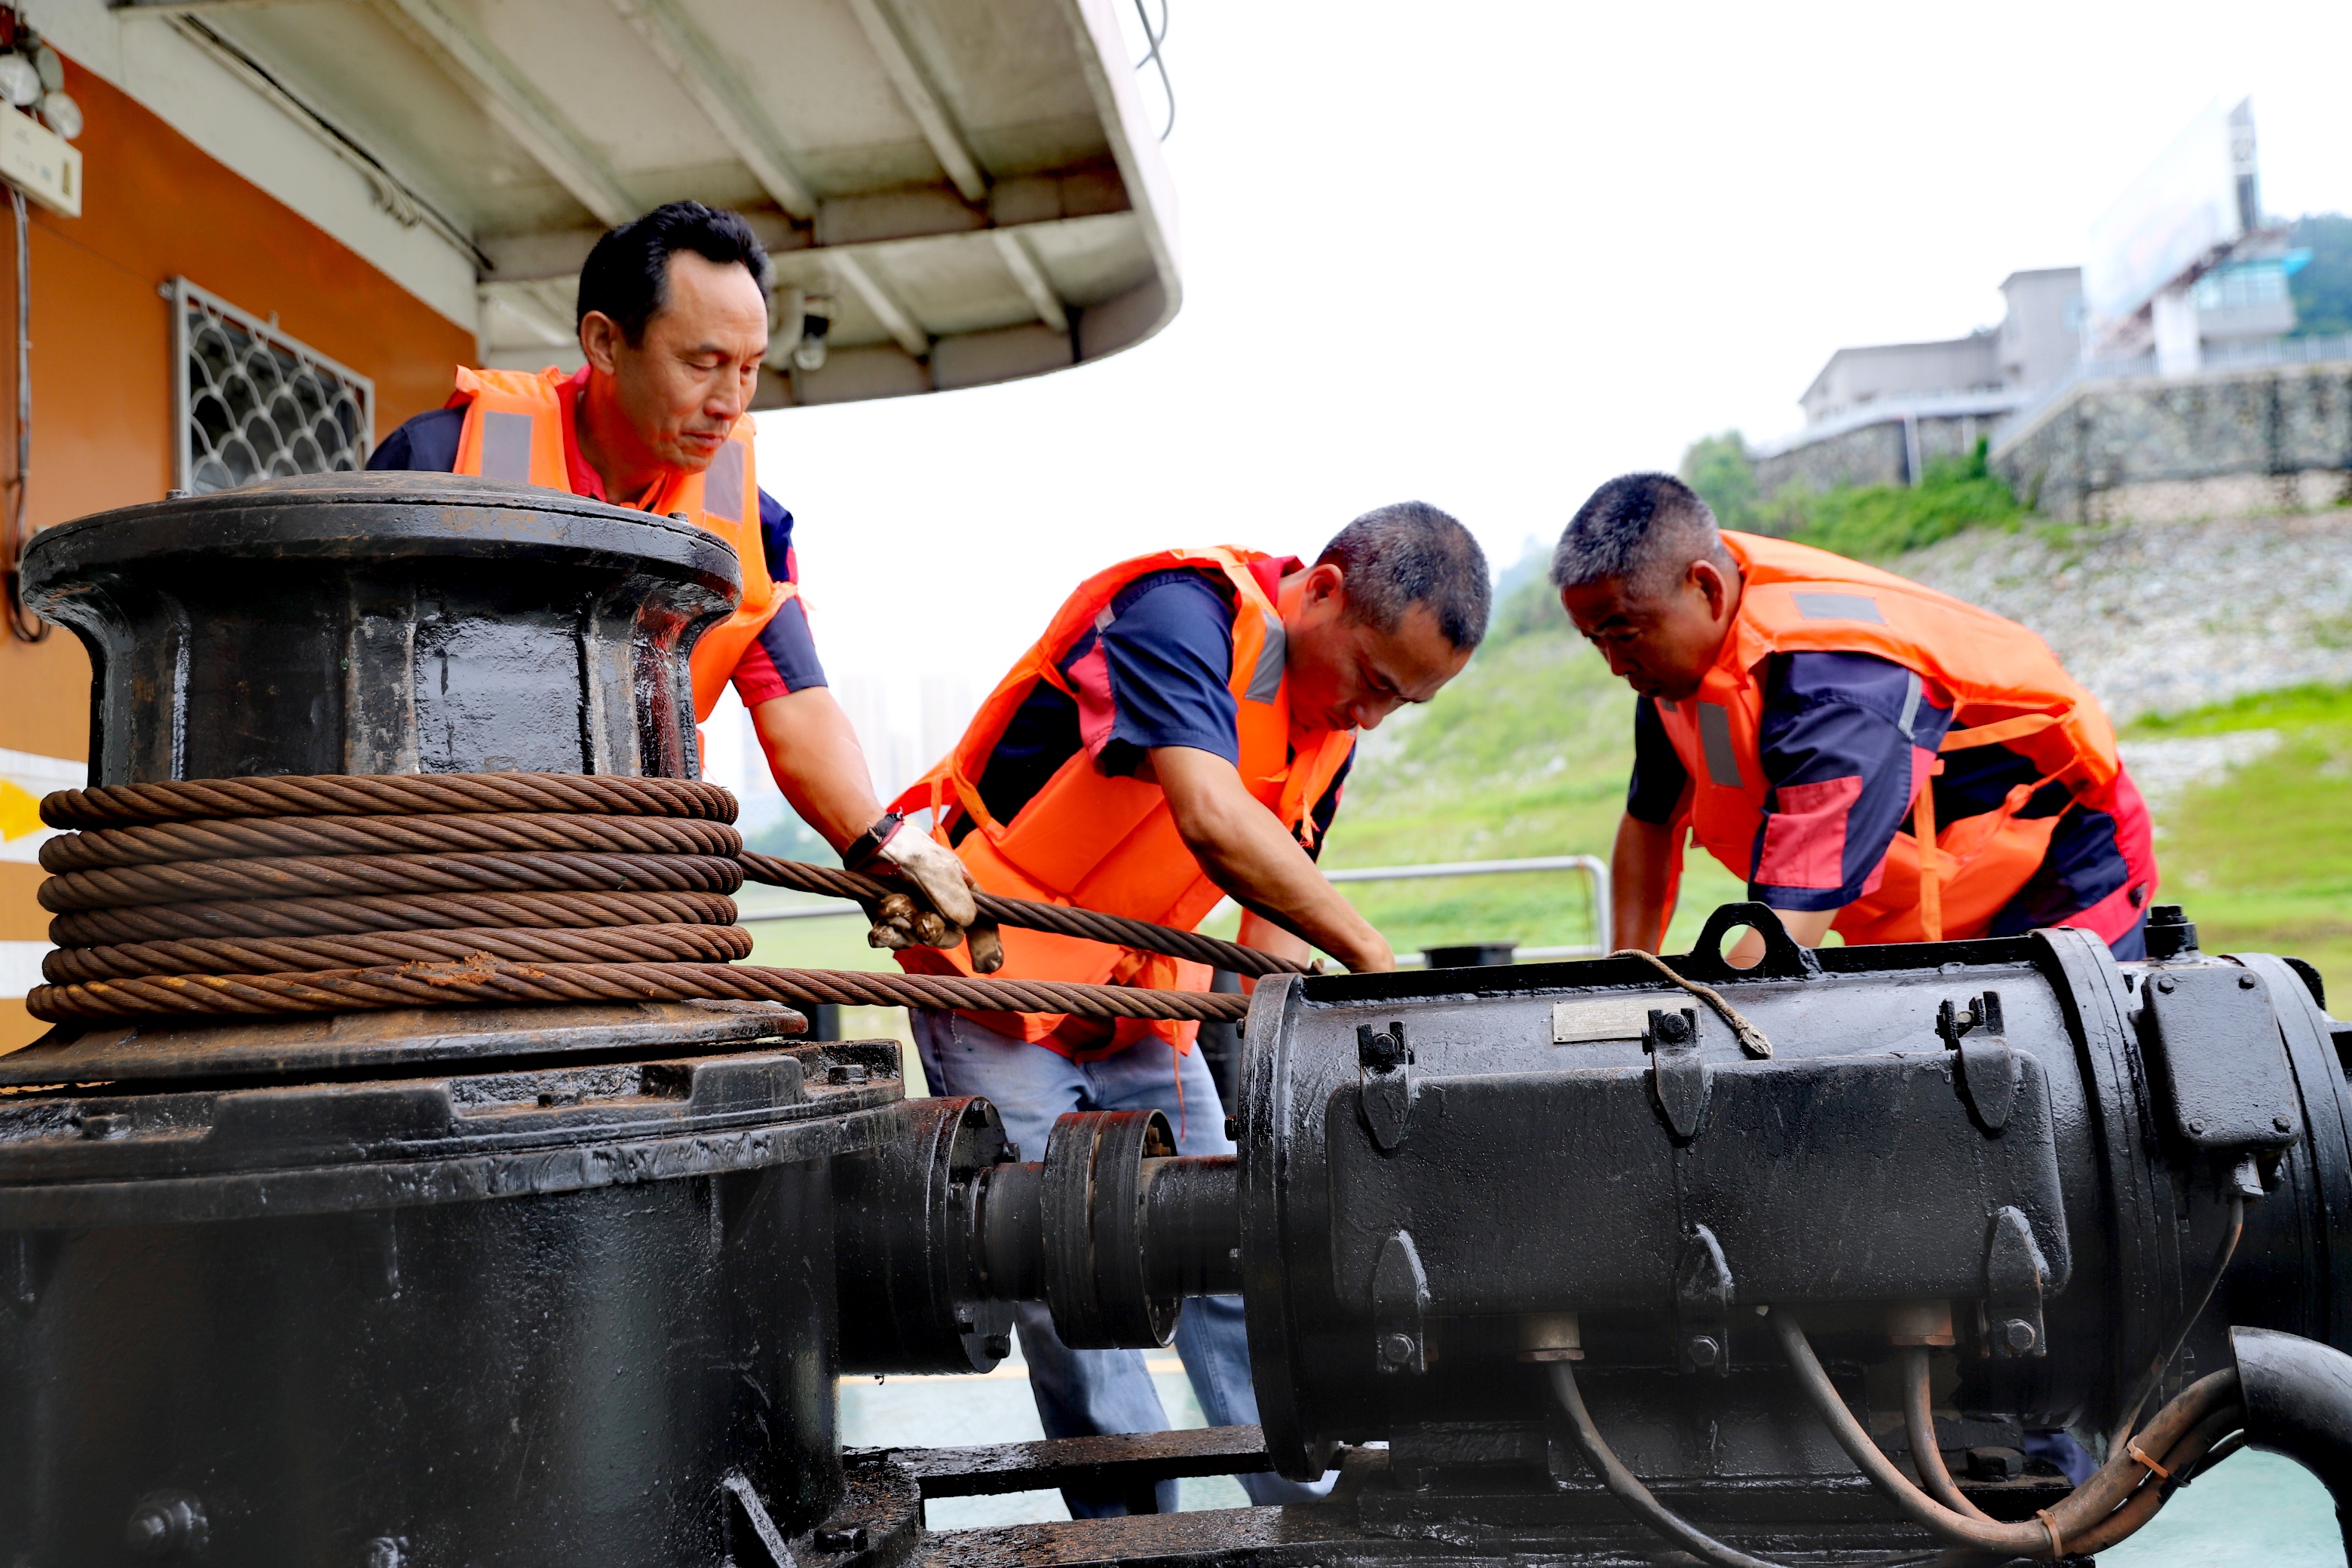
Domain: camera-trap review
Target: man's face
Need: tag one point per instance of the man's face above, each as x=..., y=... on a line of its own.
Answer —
x=1345, y=673
x=691, y=377
x=1661, y=643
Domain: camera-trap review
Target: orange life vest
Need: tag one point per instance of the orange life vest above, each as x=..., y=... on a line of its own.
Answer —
x=2005, y=686
x=514, y=430
x=1109, y=843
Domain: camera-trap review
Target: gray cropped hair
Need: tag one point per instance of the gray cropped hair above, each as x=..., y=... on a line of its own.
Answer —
x=1640, y=529
x=1411, y=554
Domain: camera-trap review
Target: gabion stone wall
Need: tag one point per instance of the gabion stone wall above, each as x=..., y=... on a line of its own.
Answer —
x=2276, y=438
x=1872, y=455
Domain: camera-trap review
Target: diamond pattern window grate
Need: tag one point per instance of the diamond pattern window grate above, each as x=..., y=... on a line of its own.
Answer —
x=254, y=403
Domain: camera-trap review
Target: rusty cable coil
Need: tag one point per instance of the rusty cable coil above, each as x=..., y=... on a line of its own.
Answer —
x=483, y=981
x=239, y=838
x=338, y=876
x=337, y=894
x=393, y=912
x=277, y=956
x=385, y=795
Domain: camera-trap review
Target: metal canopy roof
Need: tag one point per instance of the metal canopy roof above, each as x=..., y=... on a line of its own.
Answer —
x=970, y=183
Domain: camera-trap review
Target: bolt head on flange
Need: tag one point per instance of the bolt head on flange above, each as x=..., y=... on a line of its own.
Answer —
x=165, y=1524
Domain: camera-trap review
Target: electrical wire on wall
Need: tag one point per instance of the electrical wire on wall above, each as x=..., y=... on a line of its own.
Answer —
x=24, y=625
x=1155, y=36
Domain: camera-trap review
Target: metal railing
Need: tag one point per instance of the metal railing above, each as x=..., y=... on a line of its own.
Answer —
x=1594, y=869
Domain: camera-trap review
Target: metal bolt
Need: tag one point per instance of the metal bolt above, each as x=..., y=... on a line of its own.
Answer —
x=839, y=1538
x=1673, y=1028
x=1396, y=1349
x=1011, y=1153
x=166, y=1524
x=2282, y=1121
x=149, y=1534
x=1233, y=1128
x=2245, y=983
x=2164, y=983
x=998, y=1345
x=845, y=1072
x=1704, y=1351
x=2018, y=1335
x=2196, y=1126
x=175, y=495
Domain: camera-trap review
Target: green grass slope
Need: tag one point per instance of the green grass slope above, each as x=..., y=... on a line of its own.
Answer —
x=2262, y=859
x=1525, y=754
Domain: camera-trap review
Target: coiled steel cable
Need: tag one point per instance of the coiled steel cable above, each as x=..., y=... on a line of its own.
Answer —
x=336, y=894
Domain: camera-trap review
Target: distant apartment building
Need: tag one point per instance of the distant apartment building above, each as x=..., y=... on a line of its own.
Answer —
x=2161, y=373
x=1879, y=415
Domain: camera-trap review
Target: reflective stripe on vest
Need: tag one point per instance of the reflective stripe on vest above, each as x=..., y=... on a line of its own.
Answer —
x=1110, y=844
x=514, y=430
x=2005, y=686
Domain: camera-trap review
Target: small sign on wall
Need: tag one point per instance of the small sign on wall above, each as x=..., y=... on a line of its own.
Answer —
x=40, y=162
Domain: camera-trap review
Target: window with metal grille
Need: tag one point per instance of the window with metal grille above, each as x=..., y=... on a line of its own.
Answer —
x=254, y=403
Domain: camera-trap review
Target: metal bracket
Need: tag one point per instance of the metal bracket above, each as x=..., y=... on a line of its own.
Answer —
x=1389, y=1090
x=1990, y=1074
x=755, y=1513
x=1400, y=1300
x=1678, y=1075
x=1703, y=1296
x=2014, y=1270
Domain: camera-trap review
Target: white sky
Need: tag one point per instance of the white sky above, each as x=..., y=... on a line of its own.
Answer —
x=1486, y=256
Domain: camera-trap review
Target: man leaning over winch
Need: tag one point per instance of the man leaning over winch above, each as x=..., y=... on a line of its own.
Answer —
x=1179, y=735
x=673, y=321
x=1812, y=722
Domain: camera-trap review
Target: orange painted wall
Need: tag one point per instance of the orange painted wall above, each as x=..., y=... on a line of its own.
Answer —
x=156, y=207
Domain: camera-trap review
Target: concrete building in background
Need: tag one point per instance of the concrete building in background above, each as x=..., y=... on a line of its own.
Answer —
x=2185, y=282
x=1879, y=415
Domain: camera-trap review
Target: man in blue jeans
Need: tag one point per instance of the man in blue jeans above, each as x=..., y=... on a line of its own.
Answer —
x=1180, y=733
x=1082, y=1392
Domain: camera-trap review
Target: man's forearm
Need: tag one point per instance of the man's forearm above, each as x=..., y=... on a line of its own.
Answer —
x=1251, y=857
x=812, y=751
x=1640, y=868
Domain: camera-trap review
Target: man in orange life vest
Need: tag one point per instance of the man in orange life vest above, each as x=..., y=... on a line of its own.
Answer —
x=673, y=321
x=1180, y=733
x=1812, y=722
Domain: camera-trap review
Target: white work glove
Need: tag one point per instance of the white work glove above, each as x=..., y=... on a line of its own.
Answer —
x=939, y=876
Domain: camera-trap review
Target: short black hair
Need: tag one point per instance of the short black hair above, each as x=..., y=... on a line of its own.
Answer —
x=627, y=274
x=1642, y=530
x=1411, y=554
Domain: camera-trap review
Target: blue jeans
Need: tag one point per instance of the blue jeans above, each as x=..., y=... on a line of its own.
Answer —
x=1085, y=1393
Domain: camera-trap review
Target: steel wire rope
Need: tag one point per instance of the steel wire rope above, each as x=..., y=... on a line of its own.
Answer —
x=339, y=893
x=1029, y=914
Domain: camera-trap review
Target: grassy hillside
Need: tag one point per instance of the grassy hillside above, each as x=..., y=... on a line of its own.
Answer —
x=1526, y=754
x=2262, y=858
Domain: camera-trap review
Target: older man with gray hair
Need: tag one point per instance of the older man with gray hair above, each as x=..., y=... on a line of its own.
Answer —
x=1868, y=755
x=1180, y=734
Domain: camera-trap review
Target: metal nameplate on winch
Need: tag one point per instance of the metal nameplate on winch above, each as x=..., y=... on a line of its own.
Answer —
x=1590, y=1020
